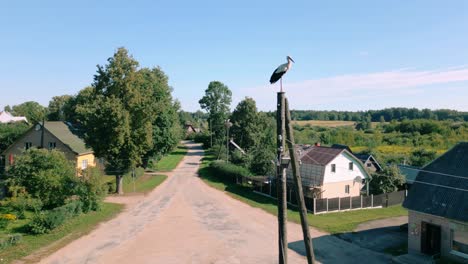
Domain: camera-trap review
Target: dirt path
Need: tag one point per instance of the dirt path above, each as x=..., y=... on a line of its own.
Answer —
x=185, y=221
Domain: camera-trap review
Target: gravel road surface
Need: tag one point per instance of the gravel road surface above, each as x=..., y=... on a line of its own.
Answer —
x=186, y=221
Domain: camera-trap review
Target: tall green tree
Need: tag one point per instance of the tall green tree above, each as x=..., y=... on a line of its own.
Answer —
x=245, y=124
x=117, y=125
x=254, y=132
x=57, y=108
x=33, y=111
x=216, y=102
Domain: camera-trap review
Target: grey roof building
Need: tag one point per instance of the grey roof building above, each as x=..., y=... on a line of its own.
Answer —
x=438, y=207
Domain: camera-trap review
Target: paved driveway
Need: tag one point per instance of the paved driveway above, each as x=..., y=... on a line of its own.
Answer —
x=185, y=221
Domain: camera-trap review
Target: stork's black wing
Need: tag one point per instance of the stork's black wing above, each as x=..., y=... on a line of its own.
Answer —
x=276, y=76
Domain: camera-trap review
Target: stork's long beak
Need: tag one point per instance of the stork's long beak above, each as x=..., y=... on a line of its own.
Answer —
x=291, y=59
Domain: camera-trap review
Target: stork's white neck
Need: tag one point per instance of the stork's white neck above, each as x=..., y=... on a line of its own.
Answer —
x=289, y=63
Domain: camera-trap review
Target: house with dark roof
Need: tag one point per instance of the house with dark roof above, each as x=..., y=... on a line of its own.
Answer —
x=330, y=172
x=52, y=135
x=369, y=161
x=438, y=207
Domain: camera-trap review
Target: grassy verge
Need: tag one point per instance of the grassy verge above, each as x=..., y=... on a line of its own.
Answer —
x=144, y=183
x=331, y=222
x=47, y=243
x=170, y=162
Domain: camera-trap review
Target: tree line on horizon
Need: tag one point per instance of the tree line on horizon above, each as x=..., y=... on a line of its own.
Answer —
x=384, y=115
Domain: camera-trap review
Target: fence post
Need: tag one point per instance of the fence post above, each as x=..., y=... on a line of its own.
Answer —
x=350, y=202
x=327, y=204
x=361, y=201
x=315, y=205
x=339, y=203
x=372, y=200
x=406, y=192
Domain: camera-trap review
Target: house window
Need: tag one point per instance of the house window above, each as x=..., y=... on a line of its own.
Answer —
x=351, y=165
x=346, y=189
x=460, y=241
x=369, y=164
x=52, y=145
x=27, y=145
x=84, y=164
x=333, y=168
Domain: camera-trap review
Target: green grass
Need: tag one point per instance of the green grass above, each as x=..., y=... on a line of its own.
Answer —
x=42, y=245
x=144, y=183
x=170, y=162
x=331, y=222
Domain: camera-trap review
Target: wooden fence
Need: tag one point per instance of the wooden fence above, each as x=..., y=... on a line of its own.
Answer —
x=319, y=206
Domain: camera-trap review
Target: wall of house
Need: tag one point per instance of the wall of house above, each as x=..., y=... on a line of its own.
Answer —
x=446, y=225
x=343, y=173
x=89, y=157
x=337, y=189
x=34, y=136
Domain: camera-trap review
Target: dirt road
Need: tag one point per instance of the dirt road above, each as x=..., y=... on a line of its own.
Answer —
x=185, y=221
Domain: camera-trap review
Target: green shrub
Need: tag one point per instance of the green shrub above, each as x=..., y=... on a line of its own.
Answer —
x=10, y=240
x=46, y=221
x=91, y=190
x=228, y=171
x=45, y=174
x=20, y=201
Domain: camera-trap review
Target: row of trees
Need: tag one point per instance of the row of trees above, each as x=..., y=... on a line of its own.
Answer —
x=252, y=130
x=127, y=116
x=384, y=115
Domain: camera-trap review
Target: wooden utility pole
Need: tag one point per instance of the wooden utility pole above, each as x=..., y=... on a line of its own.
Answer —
x=281, y=181
x=298, y=187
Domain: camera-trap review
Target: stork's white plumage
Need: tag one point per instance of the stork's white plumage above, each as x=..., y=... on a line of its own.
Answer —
x=281, y=70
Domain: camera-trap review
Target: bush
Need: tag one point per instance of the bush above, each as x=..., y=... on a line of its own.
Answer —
x=46, y=221
x=91, y=189
x=228, y=171
x=20, y=201
x=44, y=174
x=10, y=240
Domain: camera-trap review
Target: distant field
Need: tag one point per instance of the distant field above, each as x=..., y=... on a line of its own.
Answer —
x=394, y=149
x=324, y=123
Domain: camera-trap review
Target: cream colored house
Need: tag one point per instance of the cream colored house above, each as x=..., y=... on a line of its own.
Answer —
x=330, y=172
x=52, y=135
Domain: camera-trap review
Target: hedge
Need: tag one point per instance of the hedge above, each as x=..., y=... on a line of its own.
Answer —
x=229, y=171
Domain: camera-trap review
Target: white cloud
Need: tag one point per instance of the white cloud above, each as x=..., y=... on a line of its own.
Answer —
x=357, y=88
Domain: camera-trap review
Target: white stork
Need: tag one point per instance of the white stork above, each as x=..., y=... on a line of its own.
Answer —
x=280, y=71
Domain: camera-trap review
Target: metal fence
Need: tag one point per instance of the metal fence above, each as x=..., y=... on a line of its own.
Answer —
x=319, y=206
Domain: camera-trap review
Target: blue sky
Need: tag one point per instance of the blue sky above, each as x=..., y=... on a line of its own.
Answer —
x=350, y=55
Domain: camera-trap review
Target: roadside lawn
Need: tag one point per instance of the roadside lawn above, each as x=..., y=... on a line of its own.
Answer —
x=143, y=184
x=332, y=222
x=57, y=238
x=170, y=162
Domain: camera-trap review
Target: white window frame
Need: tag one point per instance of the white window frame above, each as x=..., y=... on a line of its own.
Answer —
x=84, y=164
x=351, y=166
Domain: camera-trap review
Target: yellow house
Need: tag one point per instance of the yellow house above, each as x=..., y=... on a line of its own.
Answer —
x=53, y=135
